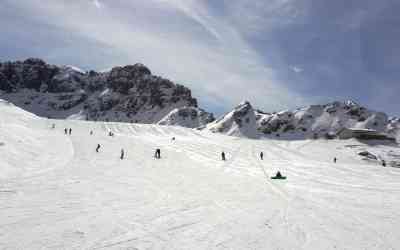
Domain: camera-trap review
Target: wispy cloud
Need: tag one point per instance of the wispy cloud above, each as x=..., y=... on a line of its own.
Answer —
x=297, y=69
x=181, y=40
x=276, y=54
x=98, y=4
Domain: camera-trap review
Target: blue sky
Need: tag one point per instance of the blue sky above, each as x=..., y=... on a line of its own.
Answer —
x=277, y=54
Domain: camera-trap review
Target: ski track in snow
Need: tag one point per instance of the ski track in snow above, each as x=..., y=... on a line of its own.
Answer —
x=70, y=197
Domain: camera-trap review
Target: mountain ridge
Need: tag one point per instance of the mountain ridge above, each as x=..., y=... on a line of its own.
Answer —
x=128, y=93
x=308, y=122
x=133, y=94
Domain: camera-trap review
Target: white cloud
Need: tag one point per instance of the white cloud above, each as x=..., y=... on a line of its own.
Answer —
x=180, y=40
x=98, y=4
x=296, y=69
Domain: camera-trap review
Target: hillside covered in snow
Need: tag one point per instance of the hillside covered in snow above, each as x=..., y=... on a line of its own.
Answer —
x=127, y=94
x=57, y=192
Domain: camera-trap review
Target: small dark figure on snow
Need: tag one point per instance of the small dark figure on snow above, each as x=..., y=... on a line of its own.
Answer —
x=91, y=132
x=223, y=156
x=98, y=148
x=65, y=131
x=173, y=138
x=157, y=155
x=262, y=155
x=278, y=176
x=383, y=163
x=70, y=130
x=122, y=154
x=110, y=133
x=334, y=160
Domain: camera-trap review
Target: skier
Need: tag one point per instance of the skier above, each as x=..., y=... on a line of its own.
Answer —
x=91, y=132
x=262, y=155
x=223, y=155
x=65, y=130
x=98, y=148
x=334, y=160
x=173, y=138
x=157, y=155
x=70, y=130
x=122, y=154
x=383, y=163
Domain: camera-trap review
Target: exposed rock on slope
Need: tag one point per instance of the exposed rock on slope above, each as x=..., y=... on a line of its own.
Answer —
x=130, y=93
x=393, y=128
x=322, y=120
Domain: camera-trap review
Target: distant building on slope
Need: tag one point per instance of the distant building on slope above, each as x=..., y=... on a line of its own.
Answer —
x=363, y=134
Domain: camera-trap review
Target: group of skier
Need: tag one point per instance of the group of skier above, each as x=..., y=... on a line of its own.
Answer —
x=223, y=157
x=68, y=131
x=157, y=153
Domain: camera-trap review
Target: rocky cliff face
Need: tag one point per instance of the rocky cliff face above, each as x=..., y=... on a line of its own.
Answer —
x=321, y=120
x=315, y=121
x=128, y=94
x=393, y=128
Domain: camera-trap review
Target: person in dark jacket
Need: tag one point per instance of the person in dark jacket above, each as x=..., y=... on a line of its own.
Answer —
x=70, y=130
x=98, y=148
x=262, y=155
x=157, y=155
x=223, y=156
x=122, y=154
x=334, y=160
x=65, y=131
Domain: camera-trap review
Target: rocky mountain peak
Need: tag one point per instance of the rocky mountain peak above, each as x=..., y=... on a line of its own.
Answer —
x=241, y=121
x=191, y=117
x=126, y=93
x=351, y=103
x=314, y=121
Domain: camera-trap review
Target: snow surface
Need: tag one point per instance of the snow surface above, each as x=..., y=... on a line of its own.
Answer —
x=56, y=192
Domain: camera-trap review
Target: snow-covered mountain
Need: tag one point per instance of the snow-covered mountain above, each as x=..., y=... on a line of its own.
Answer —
x=313, y=121
x=241, y=121
x=132, y=94
x=129, y=94
x=190, y=117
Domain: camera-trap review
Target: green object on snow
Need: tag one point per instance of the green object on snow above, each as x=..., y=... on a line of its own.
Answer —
x=278, y=178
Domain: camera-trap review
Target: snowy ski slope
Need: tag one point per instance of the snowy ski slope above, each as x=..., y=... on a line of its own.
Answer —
x=56, y=192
